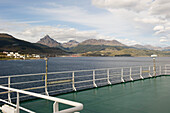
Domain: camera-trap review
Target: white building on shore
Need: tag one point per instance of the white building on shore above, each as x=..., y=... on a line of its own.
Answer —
x=17, y=55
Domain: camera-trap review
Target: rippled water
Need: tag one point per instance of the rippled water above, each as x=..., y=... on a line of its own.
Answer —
x=13, y=67
x=58, y=64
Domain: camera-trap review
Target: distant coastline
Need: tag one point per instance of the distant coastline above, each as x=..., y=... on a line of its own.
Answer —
x=19, y=59
x=48, y=47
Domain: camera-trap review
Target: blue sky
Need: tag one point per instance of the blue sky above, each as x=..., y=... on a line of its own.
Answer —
x=128, y=21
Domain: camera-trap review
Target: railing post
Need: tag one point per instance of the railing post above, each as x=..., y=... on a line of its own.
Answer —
x=150, y=71
x=165, y=70
x=55, y=107
x=160, y=70
x=9, y=85
x=17, y=107
x=73, y=84
x=122, y=80
x=141, y=72
x=154, y=66
x=46, y=63
x=46, y=91
x=130, y=74
x=94, y=83
x=108, y=81
x=154, y=71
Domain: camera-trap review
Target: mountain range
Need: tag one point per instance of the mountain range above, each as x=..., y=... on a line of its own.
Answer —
x=10, y=43
x=90, y=47
x=48, y=41
x=71, y=43
x=148, y=47
x=102, y=42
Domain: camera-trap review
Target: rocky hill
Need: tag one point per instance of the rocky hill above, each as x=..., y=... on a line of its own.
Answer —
x=153, y=47
x=91, y=47
x=127, y=52
x=102, y=42
x=167, y=48
x=71, y=43
x=48, y=41
x=138, y=46
x=99, y=44
x=4, y=35
x=147, y=47
x=10, y=43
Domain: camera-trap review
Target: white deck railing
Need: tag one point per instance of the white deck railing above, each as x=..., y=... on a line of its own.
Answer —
x=77, y=106
x=67, y=81
x=73, y=80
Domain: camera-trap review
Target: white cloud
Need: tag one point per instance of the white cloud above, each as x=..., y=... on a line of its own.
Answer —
x=150, y=20
x=163, y=39
x=112, y=22
x=134, y=5
x=128, y=42
x=148, y=15
x=158, y=28
x=160, y=7
x=66, y=34
x=34, y=33
x=59, y=34
x=137, y=20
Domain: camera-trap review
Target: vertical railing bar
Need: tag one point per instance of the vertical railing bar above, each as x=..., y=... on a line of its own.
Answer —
x=141, y=72
x=9, y=85
x=46, y=91
x=55, y=107
x=150, y=71
x=165, y=70
x=17, y=107
x=94, y=83
x=73, y=82
x=160, y=70
x=130, y=74
x=154, y=71
x=154, y=67
x=108, y=74
x=122, y=80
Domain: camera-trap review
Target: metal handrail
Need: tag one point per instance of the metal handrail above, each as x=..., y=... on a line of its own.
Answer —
x=77, y=106
x=62, y=72
x=23, y=75
x=93, y=78
x=81, y=76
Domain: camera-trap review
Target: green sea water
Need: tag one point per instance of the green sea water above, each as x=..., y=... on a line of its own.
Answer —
x=142, y=96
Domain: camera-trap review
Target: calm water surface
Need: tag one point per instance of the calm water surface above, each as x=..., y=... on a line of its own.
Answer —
x=13, y=67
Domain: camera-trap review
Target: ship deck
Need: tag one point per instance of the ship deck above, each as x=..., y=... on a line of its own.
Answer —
x=143, y=96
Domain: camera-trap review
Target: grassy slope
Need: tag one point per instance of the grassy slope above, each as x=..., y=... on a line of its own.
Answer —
x=13, y=44
x=87, y=48
x=131, y=51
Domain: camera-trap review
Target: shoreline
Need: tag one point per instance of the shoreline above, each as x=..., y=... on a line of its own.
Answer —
x=1, y=59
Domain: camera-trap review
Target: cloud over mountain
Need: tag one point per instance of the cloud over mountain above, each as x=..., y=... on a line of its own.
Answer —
x=129, y=21
x=153, y=12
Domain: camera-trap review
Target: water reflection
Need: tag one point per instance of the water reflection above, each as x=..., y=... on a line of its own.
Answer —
x=74, y=95
x=109, y=88
x=95, y=90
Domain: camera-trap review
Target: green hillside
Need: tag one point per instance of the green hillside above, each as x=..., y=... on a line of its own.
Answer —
x=87, y=48
x=9, y=43
x=126, y=52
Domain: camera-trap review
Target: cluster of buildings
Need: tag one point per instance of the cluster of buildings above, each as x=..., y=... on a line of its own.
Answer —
x=21, y=56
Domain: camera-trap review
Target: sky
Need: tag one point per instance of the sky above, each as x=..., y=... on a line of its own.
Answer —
x=128, y=21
